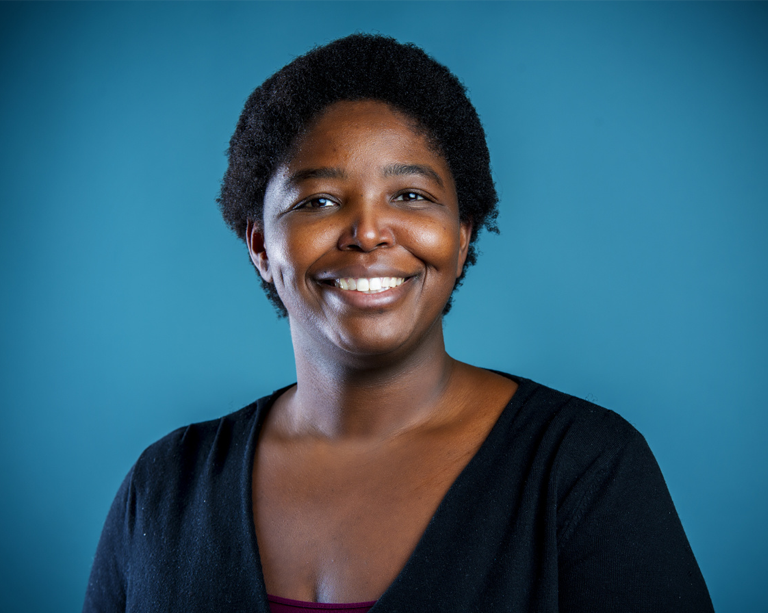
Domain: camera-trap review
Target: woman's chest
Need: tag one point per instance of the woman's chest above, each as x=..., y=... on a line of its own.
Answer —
x=340, y=525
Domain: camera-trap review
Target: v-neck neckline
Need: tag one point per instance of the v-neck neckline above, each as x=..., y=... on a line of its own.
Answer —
x=517, y=400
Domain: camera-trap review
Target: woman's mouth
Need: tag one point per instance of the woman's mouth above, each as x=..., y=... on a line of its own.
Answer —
x=368, y=285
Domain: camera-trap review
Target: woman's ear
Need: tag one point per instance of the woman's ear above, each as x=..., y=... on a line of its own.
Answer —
x=254, y=237
x=465, y=233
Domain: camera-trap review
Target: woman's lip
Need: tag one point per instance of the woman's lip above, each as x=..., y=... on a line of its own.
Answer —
x=368, y=284
x=361, y=271
x=368, y=298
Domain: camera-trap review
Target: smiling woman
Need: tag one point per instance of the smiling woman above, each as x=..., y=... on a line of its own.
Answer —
x=363, y=198
x=389, y=477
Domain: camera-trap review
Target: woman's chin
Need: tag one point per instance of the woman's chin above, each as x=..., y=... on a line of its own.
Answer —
x=367, y=341
x=371, y=342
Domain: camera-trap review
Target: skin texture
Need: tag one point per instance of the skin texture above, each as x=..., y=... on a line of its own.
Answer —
x=353, y=461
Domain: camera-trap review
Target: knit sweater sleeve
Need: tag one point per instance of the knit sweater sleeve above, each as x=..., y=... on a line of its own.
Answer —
x=621, y=545
x=107, y=584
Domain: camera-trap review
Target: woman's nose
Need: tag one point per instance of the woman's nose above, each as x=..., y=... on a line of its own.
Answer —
x=368, y=226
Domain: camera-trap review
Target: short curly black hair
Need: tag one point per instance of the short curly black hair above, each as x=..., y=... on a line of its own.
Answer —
x=358, y=67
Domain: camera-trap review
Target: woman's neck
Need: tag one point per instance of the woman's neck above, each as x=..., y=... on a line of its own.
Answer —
x=367, y=397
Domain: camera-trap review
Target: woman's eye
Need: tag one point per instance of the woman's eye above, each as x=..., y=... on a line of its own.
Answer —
x=410, y=197
x=316, y=203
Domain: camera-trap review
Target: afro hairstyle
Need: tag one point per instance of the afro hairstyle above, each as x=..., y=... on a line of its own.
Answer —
x=358, y=67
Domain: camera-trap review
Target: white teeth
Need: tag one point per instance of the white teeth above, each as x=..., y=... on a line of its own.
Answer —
x=373, y=285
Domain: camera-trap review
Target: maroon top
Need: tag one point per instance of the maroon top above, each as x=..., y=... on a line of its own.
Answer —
x=285, y=605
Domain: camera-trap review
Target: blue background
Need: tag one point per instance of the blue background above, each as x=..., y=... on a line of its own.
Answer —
x=630, y=147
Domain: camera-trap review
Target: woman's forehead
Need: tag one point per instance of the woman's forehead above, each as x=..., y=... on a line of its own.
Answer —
x=347, y=129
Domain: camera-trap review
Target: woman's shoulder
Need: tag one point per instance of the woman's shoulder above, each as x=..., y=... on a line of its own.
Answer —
x=200, y=447
x=568, y=416
x=582, y=458
x=197, y=437
x=573, y=436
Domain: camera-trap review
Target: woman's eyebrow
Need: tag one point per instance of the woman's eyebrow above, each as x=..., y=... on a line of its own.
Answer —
x=412, y=169
x=316, y=173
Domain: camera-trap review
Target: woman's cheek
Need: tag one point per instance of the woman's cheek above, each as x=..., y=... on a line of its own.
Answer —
x=438, y=243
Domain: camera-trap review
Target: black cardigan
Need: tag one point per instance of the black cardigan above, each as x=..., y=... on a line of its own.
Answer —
x=563, y=508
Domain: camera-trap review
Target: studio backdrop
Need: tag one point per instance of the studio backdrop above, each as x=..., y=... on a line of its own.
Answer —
x=629, y=143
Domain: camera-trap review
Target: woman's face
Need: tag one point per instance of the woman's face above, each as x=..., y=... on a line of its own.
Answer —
x=361, y=233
